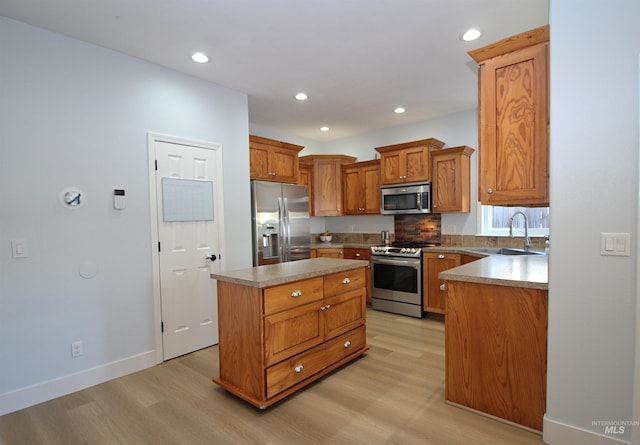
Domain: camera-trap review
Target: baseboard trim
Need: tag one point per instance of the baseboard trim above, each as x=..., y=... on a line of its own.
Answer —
x=557, y=433
x=51, y=389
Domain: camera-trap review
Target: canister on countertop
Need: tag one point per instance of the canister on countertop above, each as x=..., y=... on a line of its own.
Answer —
x=386, y=238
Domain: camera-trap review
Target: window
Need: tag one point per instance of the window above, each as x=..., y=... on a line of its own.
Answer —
x=495, y=220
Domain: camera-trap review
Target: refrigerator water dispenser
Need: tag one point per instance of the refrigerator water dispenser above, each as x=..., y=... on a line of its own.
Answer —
x=270, y=240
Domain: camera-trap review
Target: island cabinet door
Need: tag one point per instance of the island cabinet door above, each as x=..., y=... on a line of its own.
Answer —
x=344, y=312
x=291, y=332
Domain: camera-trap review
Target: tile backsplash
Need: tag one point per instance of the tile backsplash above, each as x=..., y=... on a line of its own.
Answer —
x=418, y=228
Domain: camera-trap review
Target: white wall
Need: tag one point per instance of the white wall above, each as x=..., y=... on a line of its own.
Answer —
x=594, y=189
x=73, y=114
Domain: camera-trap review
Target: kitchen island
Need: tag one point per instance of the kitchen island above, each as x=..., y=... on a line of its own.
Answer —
x=496, y=337
x=283, y=326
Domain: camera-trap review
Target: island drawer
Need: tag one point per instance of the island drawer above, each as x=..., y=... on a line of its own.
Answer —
x=289, y=372
x=340, y=282
x=290, y=295
x=346, y=344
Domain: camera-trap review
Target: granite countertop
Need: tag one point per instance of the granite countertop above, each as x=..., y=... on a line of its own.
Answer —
x=274, y=274
x=528, y=271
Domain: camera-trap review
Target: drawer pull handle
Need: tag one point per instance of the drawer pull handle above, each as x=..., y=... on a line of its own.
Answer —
x=346, y=281
x=296, y=293
x=347, y=343
x=443, y=286
x=357, y=254
x=323, y=308
x=441, y=257
x=298, y=368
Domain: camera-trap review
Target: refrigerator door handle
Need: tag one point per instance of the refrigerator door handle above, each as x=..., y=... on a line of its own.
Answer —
x=287, y=230
x=281, y=234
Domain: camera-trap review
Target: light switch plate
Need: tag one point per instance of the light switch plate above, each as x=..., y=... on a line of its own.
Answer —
x=19, y=248
x=615, y=244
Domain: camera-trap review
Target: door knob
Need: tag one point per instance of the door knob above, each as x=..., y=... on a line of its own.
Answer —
x=211, y=257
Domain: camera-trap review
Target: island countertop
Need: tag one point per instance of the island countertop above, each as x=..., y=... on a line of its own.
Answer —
x=527, y=271
x=274, y=274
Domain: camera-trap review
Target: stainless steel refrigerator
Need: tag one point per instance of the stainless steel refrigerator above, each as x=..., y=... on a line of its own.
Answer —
x=280, y=222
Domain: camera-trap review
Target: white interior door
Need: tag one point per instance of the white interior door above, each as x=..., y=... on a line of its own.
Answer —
x=188, y=235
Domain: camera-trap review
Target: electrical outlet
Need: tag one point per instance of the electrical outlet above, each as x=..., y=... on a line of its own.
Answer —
x=76, y=348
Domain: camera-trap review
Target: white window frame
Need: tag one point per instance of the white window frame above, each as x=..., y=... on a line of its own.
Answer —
x=485, y=218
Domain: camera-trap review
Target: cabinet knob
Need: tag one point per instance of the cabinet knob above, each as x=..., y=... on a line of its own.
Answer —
x=347, y=343
x=489, y=190
x=298, y=368
x=296, y=293
x=346, y=281
x=441, y=257
x=443, y=286
x=357, y=254
x=324, y=308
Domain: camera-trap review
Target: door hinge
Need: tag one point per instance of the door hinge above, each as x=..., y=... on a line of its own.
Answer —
x=162, y=326
x=158, y=246
x=156, y=165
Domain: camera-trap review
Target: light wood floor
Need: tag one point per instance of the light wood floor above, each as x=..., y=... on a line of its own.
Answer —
x=392, y=395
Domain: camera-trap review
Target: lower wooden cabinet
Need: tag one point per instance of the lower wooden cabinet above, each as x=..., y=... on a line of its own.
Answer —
x=351, y=253
x=496, y=350
x=276, y=340
x=329, y=252
x=433, y=288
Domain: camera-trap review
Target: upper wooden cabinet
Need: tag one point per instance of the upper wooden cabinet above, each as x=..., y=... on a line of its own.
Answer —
x=361, y=188
x=451, y=186
x=513, y=121
x=326, y=183
x=272, y=160
x=407, y=162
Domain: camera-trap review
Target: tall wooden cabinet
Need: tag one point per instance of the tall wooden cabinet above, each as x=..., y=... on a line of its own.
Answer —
x=513, y=120
x=326, y=182
x=271, y=160
x=451, y=187
x=304, y=178
x=361, y=188
x=407, y=162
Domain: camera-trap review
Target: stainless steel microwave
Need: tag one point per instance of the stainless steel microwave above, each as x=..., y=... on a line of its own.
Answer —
x=405, y=199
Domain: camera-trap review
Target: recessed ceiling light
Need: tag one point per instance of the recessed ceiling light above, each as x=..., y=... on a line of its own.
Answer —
x=301, y=96
x=325, y=128
x=199, y=57
x=470, y=35
x=399, y=110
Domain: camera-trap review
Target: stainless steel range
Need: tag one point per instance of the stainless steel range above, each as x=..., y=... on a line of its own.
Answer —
x=396, y=275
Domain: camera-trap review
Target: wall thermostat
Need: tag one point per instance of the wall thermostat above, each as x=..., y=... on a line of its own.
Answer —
x=118, y=199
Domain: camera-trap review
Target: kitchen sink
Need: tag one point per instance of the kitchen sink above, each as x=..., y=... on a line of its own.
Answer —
x=506, y=251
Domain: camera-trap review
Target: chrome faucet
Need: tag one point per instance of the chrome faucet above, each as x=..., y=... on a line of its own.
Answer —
x=527, y=240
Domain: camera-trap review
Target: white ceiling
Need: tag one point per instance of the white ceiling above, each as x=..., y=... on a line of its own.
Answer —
x=356, y=59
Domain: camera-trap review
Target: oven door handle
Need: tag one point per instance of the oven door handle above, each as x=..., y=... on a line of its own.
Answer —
x=406, y=263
